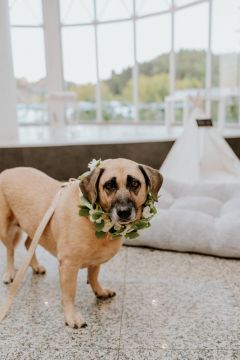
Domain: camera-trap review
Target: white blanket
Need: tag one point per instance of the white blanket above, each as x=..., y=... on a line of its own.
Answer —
x=202, y=218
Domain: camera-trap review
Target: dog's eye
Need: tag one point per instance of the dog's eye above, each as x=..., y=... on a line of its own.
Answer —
x=110, y=185
x=134, y=185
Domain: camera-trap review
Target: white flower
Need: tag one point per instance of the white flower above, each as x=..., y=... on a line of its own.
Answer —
x=99, y=220
x=126, y=230
x=91, y=218
x=147, y=212
x=117, y=226
x=107, y=226
x=91, y=213
x=93, y=164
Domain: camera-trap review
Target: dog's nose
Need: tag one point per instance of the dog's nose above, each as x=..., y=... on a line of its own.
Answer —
x=124, y=214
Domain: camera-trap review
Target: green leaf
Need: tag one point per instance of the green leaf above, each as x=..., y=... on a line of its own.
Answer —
x=132, y=235
x=153, y=210
x=100, y=234
x=85, y=203
x=97, y=214
x=98, y=162
x=99, y=226
x=115, y=234
x=141, y=224
x=81, y=177
x=84, y=211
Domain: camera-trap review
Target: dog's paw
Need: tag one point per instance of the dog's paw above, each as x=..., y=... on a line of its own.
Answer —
x=75, y=320
x=39, y=269
x=8, y=277
x=105, y=294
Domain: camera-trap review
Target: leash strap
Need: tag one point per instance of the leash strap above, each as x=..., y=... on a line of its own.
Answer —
x=14, y=287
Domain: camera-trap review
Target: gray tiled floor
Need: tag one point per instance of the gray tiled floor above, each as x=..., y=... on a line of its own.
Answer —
x=169, y=306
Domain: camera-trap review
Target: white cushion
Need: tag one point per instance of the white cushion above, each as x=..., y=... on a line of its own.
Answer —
x=195, y=218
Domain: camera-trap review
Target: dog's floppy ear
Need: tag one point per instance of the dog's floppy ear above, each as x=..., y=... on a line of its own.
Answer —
x=89, y=185
x=153, y=179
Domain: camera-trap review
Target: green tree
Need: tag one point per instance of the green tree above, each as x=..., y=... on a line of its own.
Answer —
x=85, y=92
x=151, y=88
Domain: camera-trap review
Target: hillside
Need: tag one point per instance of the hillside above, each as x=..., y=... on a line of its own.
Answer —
x=153, y=78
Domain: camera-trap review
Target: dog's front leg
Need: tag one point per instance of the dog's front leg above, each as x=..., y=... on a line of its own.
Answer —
x=68, y=281
x=100, y=293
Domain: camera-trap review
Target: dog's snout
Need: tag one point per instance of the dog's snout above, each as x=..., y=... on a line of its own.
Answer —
x=124, y=213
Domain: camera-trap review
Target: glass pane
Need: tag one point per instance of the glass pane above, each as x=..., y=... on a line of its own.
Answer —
x=116, y=61
x=80, y=70
x=191, y=41
x=226, y=60
x=25, y=12
x=144, y=7
x=76, y=11
x=184, y=2
x=153, y=48
x=30, y=72
x=117, y=9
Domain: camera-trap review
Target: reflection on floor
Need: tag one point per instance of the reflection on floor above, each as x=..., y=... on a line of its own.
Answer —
x=169, y=306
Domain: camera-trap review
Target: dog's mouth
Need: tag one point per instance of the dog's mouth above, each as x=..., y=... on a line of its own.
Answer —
x=125, y=222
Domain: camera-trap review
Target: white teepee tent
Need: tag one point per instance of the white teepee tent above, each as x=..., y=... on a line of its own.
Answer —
x=201, y=155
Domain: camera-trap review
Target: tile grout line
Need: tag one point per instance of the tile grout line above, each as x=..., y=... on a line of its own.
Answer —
x=123, y=300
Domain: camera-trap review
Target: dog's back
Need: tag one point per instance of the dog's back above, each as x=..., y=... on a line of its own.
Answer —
x=24, y=191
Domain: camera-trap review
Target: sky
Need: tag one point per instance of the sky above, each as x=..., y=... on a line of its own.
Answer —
x=116, y=40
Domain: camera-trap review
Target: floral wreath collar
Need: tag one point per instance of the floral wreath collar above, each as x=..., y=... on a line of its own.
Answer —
x=103, y=222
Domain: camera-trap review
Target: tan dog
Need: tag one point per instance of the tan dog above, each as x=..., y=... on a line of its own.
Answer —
x=119, y=185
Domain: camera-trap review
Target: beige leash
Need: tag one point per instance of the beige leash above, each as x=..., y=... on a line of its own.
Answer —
x=21, y=272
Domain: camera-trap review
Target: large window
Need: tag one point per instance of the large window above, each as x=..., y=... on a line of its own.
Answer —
x=191, y=42
x=74, y=12
x=116, y=70
x=113, y=10
x=29, y=60
x=80, y=69
x=153, y=47
x=146, y=7
x=226, y=60
x=127, y=60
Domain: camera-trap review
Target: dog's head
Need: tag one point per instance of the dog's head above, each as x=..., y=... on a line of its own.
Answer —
x=120, y=186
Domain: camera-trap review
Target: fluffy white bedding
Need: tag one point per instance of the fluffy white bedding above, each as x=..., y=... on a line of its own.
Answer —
x=201, y=218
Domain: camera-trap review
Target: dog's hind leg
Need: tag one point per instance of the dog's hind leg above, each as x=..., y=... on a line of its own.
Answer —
x=10, y=234
x=37, y=268
x=11, y=241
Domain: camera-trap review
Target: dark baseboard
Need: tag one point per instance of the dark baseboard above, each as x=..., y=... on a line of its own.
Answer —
x=62, y=162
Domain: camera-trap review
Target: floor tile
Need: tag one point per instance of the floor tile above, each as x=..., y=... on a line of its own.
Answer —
x=193, y=309
x=36, y=319
x=160, y=354
x=169, y=306
x=75, y=352
x=145, y=265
